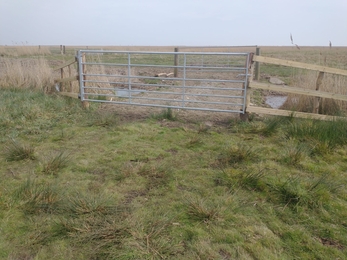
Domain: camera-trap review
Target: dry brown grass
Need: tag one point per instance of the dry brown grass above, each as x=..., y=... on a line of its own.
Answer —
x=25, y=73
x=331, y=83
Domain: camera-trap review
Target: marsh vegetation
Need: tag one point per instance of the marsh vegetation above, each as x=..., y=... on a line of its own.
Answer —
x=98, y=184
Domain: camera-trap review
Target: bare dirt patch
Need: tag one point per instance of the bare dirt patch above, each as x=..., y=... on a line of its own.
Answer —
x=131, y=113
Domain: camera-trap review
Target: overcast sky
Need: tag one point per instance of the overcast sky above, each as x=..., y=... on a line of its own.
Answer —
x=173, y=22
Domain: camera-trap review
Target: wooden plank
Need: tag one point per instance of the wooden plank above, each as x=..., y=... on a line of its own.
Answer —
x=279, y=112
x=69, y=94
x=299, y=65
x=296, y=90
x=66, y=79
x=65, y=64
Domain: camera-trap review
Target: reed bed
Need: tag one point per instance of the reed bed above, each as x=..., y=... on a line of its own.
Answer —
x=25, y=73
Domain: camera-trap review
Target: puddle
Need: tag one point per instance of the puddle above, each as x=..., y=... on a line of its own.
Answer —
x=275, y=101
x=127, y=92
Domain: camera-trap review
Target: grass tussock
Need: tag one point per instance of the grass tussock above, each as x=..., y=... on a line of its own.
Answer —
x=91, y=204
x=199, y=210
x=236, y=154
x=16, y=151
x=295, y=154
x=311, y=194
x=166, y=114
x=33, y=197
x=54, y=163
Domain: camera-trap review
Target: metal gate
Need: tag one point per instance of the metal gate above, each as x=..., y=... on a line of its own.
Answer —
x=186, y=80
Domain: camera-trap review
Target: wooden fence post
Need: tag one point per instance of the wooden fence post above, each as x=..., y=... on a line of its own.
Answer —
x=176, y=63
x=61, y=76
x=317, y=100
x=257, y=65
x=70, y=83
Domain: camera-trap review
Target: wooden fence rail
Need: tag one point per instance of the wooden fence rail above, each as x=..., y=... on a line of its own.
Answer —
x=68, y=79
x=297, y=90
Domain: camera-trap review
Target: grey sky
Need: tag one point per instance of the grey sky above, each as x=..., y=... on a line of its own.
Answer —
x=173, y=22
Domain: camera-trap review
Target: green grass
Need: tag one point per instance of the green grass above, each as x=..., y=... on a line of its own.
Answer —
x=93, y=186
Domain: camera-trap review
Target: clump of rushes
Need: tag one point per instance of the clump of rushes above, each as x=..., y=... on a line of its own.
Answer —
x=82, y=204
x=55, y=163
x=103, y=236
x=16, y=151
x=329, y=133
x=295, y=154
x=272, y=125
x=35, y=198
x=166, y=114
x=236, y=154
x=249, y=179
x=200, y=211
x=311, y=193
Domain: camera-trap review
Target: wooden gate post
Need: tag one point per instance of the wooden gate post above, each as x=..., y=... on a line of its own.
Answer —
x=317, y=100
x=62, y=77
x=70, y=83
x=257, y=65
x=245, y=116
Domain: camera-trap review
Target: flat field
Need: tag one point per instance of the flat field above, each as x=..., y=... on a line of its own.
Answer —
x=112, y=182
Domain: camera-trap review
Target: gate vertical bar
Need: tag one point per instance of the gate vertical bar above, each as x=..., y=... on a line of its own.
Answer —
x=85, y=103
x=80, y=75
x=129, y=79
x=184, y=80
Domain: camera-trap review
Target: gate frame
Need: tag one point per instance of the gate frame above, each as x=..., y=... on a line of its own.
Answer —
x=81, y=60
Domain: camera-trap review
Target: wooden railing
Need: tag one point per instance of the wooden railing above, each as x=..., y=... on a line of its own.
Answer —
x=61, y=82
x=296, y=90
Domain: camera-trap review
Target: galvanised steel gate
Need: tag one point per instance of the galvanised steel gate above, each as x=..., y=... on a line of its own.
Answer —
x=185, y=80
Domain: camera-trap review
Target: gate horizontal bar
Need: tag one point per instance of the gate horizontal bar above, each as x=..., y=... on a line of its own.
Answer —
x=172, y=53
x=174, y=79
x=167, y=106
x=226, y=68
